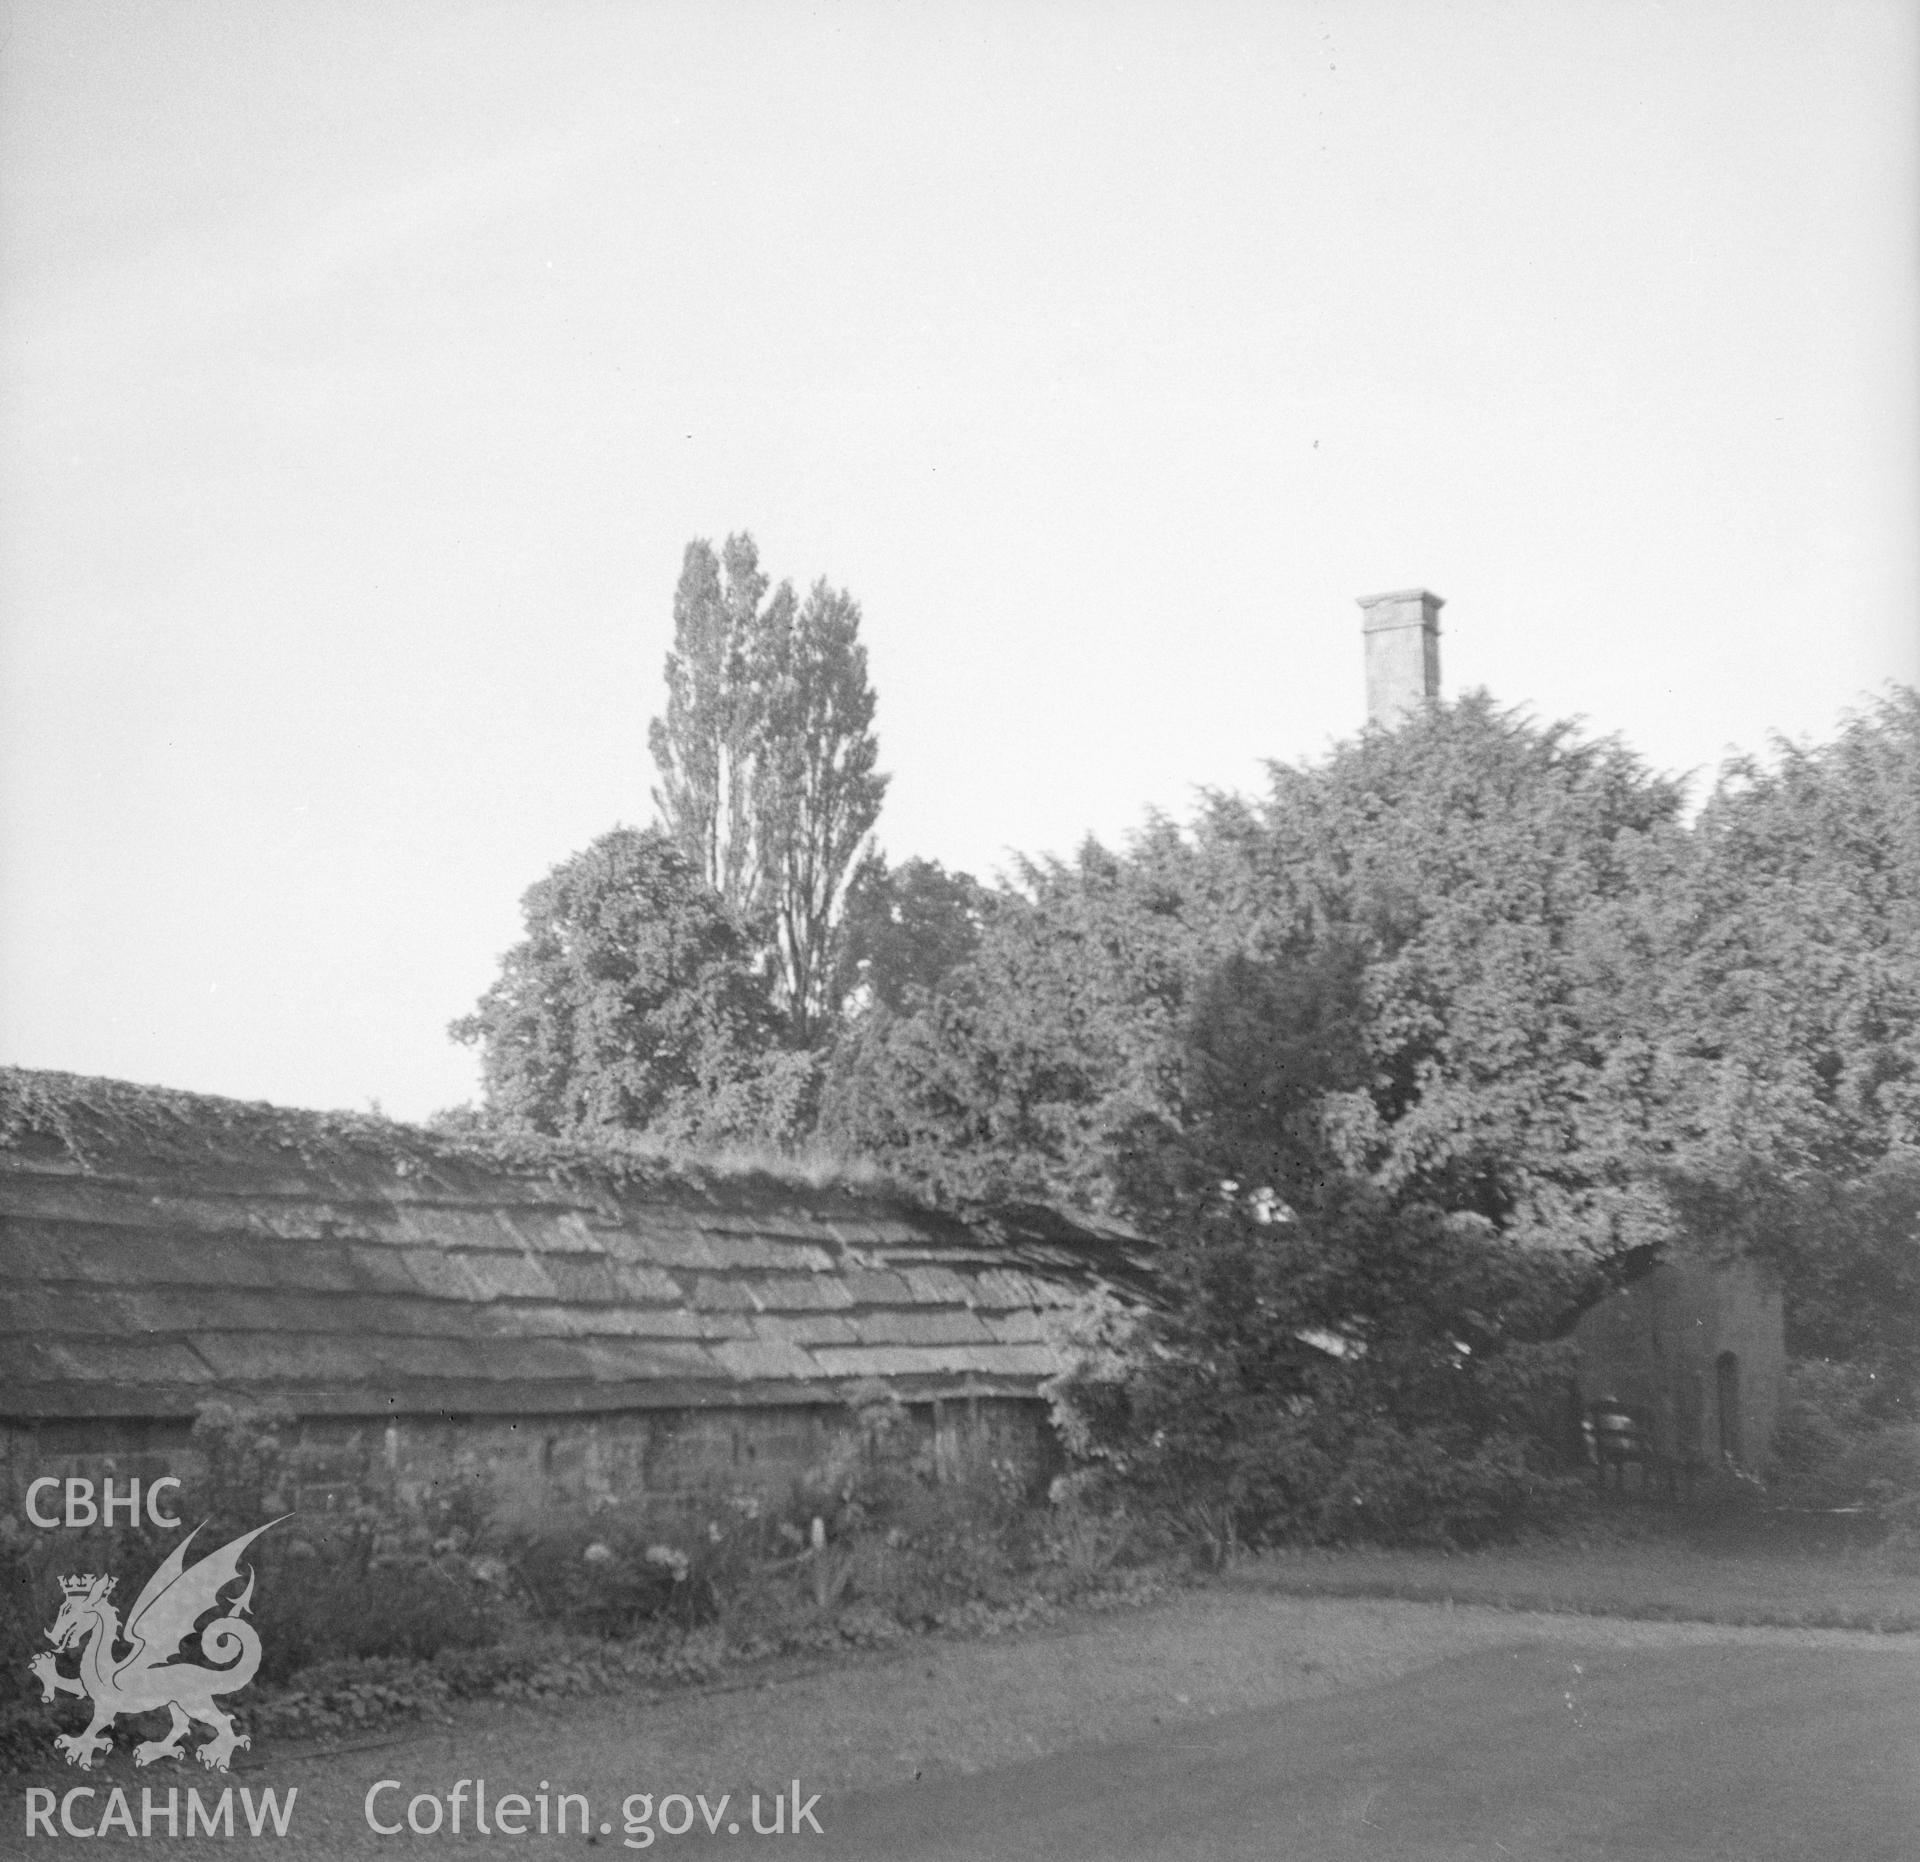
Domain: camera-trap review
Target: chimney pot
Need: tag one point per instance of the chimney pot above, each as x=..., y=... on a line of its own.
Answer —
x=1402, y=633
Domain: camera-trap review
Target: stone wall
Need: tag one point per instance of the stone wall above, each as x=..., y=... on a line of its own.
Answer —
x=669, y=1463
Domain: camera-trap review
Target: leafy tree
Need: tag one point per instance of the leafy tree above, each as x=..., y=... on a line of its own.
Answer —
x=1467, y=861
x=1331, y=1360
x=767, y=758
x=1025, y=1068
x=1266, y=1040
x=1444, y=891
x=710, y=744
x=818, y=793
x=633, y=1003
x=906, y=928
x=1393, y=1056
x=1785, y=958
x=1768, y=988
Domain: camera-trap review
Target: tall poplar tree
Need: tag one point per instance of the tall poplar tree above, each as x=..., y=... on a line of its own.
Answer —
x=767, y=759
x=709, y=745
x=818, y=792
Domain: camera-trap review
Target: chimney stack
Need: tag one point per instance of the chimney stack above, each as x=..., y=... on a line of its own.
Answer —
x=1402, y=632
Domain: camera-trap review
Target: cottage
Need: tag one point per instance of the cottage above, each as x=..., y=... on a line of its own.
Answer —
x=1690, y=1352
x=575, y=1324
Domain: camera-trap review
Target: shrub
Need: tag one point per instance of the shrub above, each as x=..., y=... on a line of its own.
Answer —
x=1834, y=1446
x=1363, y=1371
x=383, y=1577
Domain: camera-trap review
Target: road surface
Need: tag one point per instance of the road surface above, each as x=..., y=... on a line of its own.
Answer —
x=1214, y=1726
x=1539, y=1751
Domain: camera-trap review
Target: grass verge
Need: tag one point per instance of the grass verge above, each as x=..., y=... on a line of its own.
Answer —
x=1709, y=1575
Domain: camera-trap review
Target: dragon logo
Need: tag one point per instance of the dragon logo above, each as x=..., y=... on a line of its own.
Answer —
x=176, y=1597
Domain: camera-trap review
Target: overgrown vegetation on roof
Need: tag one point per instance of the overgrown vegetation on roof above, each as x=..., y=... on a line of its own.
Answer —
x=102, y=1124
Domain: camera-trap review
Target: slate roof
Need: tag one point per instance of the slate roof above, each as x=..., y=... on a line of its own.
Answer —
x=162, y=1249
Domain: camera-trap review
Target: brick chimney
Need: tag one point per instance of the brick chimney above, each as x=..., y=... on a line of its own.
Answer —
x=1402, y=632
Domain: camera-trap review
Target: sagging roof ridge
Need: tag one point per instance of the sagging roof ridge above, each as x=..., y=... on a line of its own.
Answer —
x=87, y=1121
x=82, y=1115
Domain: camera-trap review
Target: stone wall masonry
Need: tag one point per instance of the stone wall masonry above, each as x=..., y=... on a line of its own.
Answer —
x=669, y=1464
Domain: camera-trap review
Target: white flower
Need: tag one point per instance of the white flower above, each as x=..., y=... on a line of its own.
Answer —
x=669, y=1558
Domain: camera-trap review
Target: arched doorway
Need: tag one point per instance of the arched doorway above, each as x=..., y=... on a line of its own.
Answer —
x=1726, y=1370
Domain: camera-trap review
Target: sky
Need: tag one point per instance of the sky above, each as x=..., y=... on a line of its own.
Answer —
x=365, y=370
